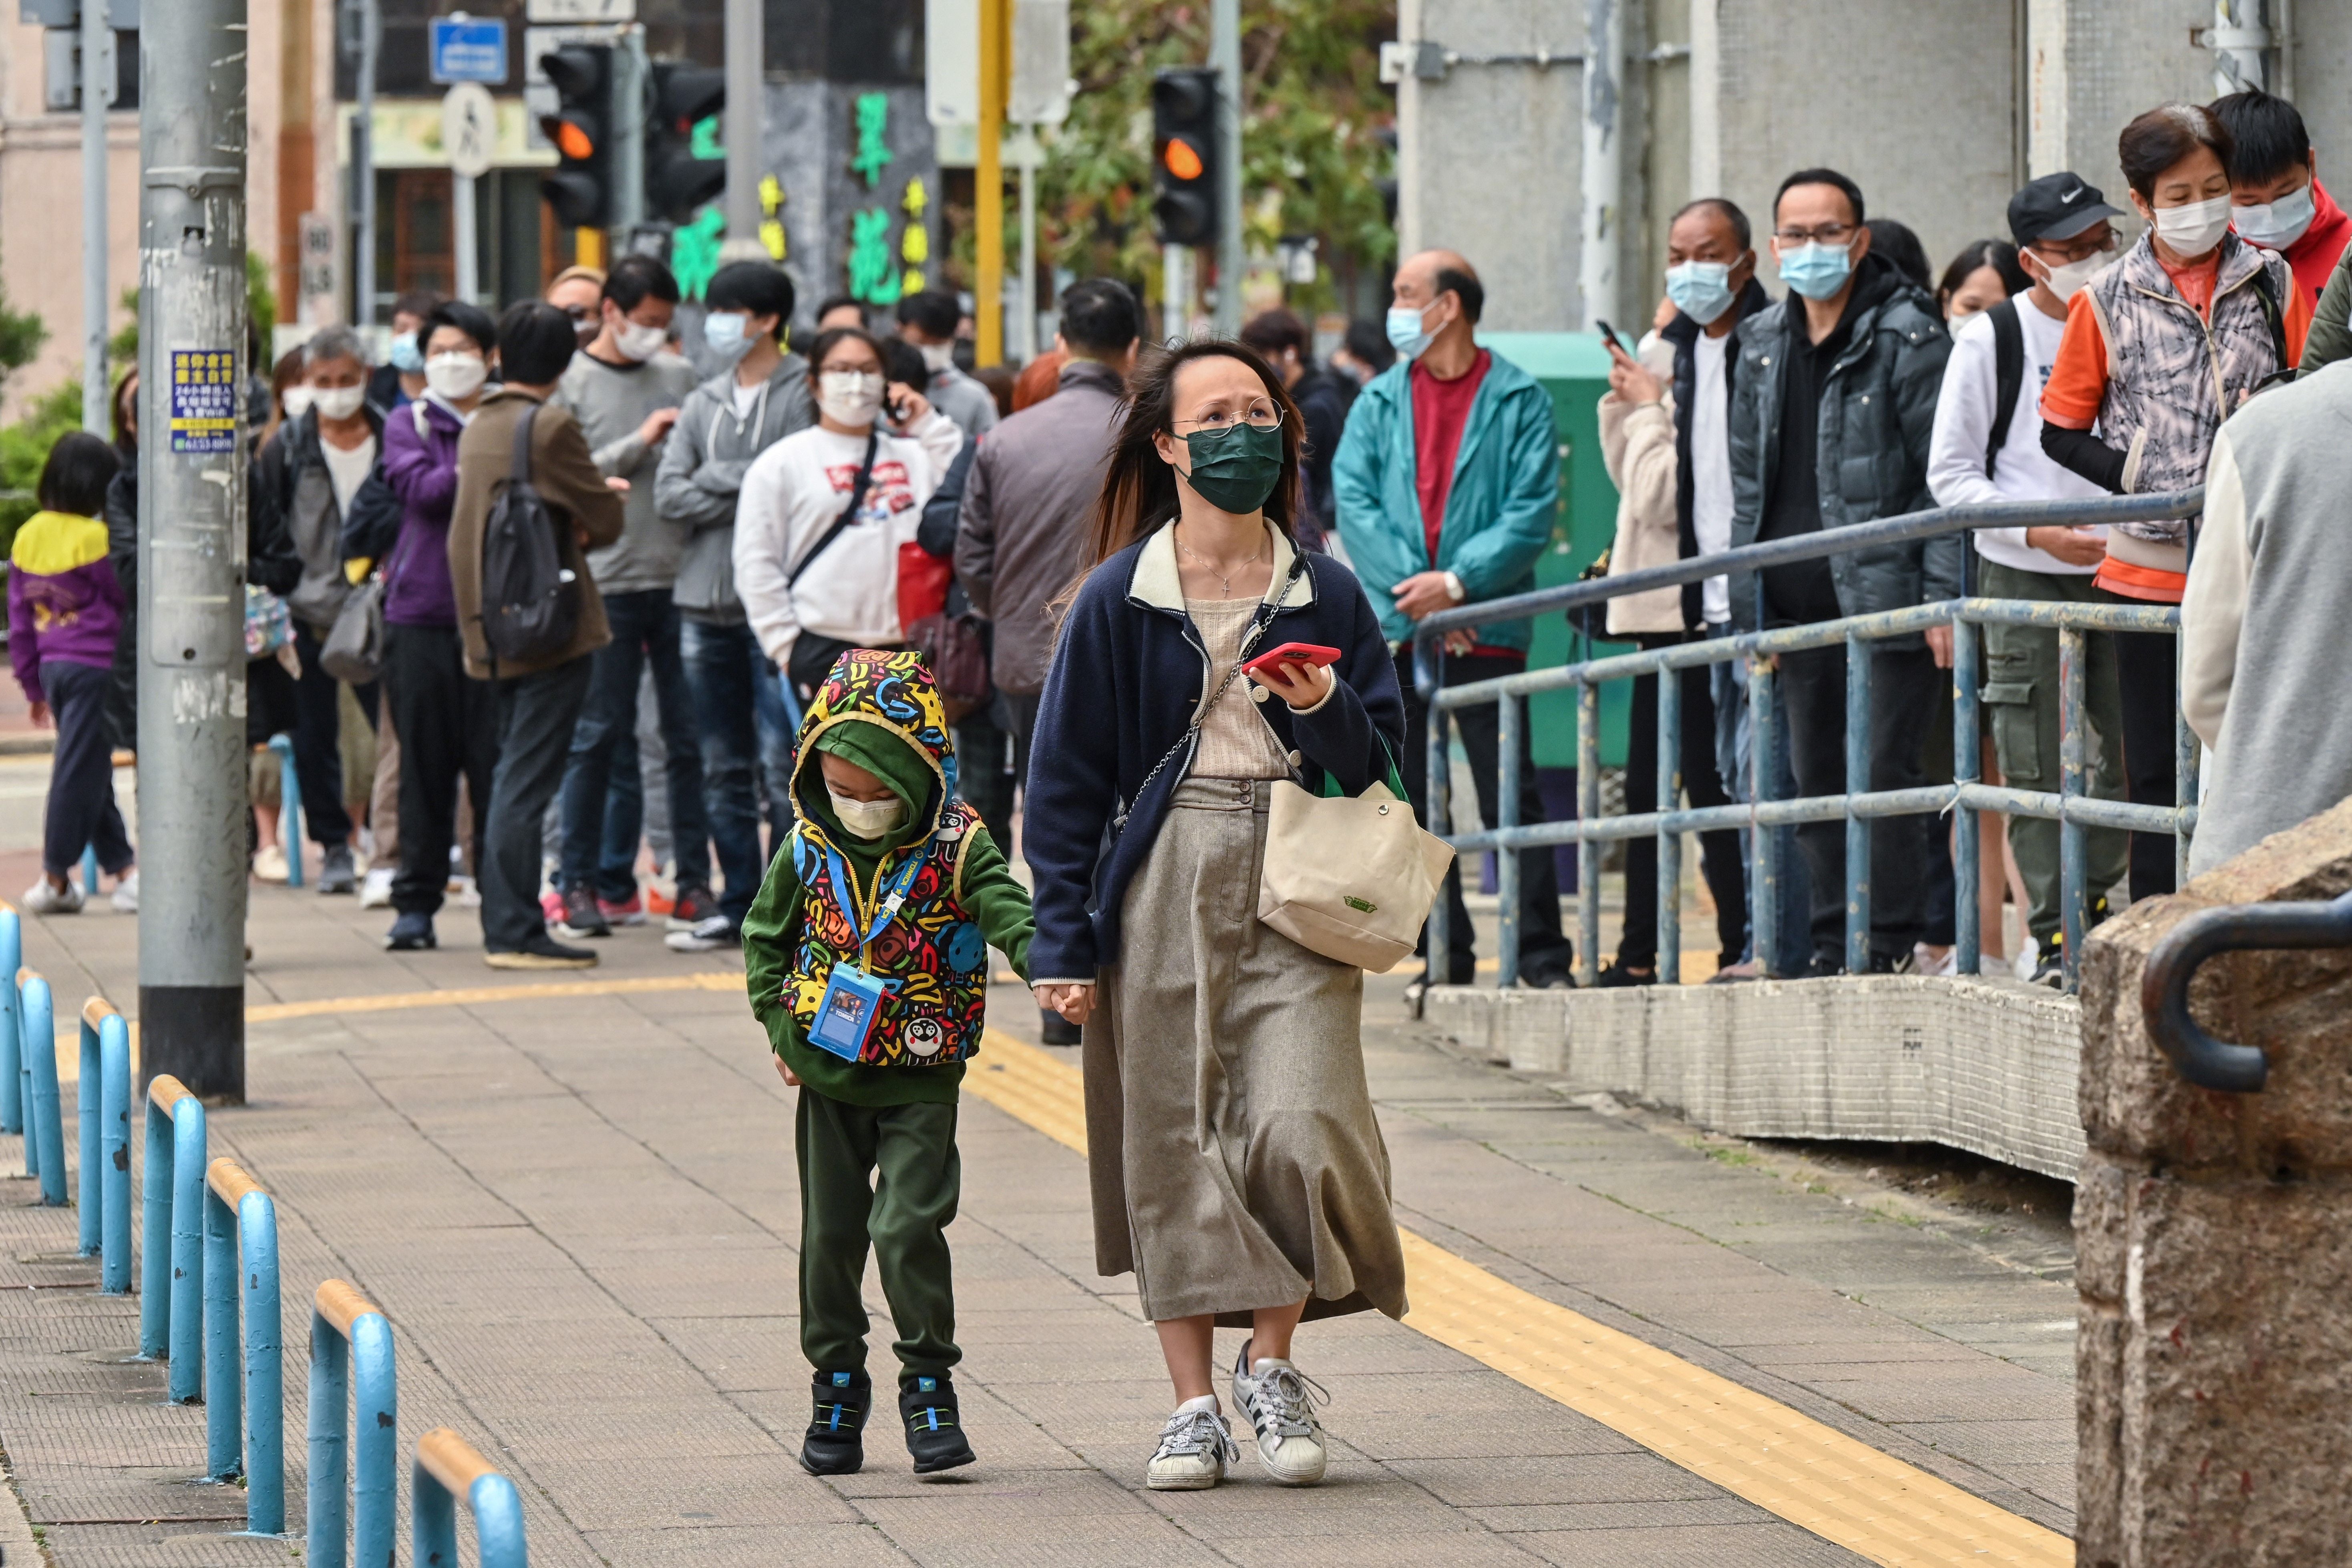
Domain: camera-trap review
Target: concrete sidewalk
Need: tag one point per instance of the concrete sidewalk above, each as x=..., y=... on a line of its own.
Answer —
x=580, y=1216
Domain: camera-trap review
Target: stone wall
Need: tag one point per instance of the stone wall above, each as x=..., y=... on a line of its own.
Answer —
x=2214, y=1242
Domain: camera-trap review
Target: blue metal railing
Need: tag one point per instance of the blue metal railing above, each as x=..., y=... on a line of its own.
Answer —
x=171, y=1267
x=352, y=1503
x=241, y=1262
x=289, y=808
x=2071, y=806
x=45, y=1133
x=102, y=1098
x=15, y=1087
x=447, y=1468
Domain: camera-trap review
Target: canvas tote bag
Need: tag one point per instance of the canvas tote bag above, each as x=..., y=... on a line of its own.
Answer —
x=1349, y=878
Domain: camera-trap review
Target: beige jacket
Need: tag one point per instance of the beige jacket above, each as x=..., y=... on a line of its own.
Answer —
x=1637, y=446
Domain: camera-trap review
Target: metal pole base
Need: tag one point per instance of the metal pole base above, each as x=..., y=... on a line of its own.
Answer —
x=195, y=1033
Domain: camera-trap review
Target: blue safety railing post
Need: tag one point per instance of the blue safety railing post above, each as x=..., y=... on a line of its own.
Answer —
x=223, y=1398
x=326, y=1521
x=1438, y=934
x=12, y=1083
x=89, y=871
x=1968, y=752
x=87, y=1091
x=2187, y=759
x=1857, y=784
x=114, y=1154
x=448, y=1466
x=352, y=1479
x=1588, y=813
x=1763, y=740
x=243, y=1239
x=2074, y=864
x=42, y=1115
x=187, y=1324
x=377, y=1446
x=289, y=808
x=25, y=1077
x=155, y=1229
x=1510, y=713
x=1670, y=844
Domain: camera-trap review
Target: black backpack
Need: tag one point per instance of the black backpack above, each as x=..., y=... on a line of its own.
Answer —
x=531, y=600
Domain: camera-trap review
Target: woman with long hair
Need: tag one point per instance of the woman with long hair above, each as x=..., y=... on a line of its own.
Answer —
x=1236, y=1167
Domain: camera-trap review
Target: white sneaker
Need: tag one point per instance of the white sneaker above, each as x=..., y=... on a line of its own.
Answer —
x=40, y=899
x=1280, y=1401
x=125, y=897
x=375, y=892
x=705, y=935
x=1940, y=961
x=269, y=864
x=1195, y=1446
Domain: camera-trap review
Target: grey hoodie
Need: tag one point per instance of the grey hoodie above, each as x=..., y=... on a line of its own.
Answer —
x=611, y=401
x=701, y=473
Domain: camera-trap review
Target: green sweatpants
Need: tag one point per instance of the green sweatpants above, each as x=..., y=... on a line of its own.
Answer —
x=904, y=1215
x=2021, y=697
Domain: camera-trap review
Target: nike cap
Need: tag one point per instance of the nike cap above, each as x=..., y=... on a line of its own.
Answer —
x=2056, y=206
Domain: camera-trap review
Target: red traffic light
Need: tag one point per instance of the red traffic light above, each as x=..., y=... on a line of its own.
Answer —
x=1183, y=159
x=572, y=136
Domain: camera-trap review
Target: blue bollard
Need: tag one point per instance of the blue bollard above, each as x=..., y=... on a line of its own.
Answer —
x=163, y=1094
x=349, y=1335
x=289, y=808
x=11, y=1042
x=448, y=1467
x=223, y=1457
x=89, y=866
x=114, y=1188
x=88, y=1090
x=244, y=1433
x=25, y=1078
x=42, y=1124
x=187, y=1322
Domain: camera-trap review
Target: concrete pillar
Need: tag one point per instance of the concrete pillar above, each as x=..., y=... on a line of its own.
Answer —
x=2214, y=1245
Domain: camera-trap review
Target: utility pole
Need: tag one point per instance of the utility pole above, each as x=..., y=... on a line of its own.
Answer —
x=1225, y=55
x=368, y=27
x=192, y=544
x=746, y=49
x=631, y=77
x=988, y=182
x=97, y=96
x=1598, y=232
x=1025, y=320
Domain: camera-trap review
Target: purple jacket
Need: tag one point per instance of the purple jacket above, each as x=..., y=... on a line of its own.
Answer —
x=422, y=470
x=63, y=600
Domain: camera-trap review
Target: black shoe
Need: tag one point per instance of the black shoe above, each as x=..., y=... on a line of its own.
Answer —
x=410, y=934
x=581, y=917
x=835, y=1445
x=335, y=871
x=540, y=952
x=1892, y=964
x=934, y=1431
x=1822, y=967
x=1552, y=975
x=1056, y=1030
x=2049, y=963
x=1615, y=976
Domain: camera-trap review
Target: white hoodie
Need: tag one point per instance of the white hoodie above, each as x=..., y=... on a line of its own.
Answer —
x=792, y=494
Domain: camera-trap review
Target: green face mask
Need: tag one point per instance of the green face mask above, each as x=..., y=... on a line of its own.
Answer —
x=1235, y=469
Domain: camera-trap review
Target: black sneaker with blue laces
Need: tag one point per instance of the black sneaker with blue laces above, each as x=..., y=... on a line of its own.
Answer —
x=934, y=1429
x=835, y=1444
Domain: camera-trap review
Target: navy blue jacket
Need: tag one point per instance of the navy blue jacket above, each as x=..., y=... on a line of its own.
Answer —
x=1127, y=672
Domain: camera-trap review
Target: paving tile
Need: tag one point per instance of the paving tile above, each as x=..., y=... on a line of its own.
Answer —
x=706, y=1544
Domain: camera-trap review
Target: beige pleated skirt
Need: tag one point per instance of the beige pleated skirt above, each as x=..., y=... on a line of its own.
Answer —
x=1235, y=1158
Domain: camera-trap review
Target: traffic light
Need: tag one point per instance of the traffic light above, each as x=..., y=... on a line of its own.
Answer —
x=580, y=190
x=1185, y=149
x=684, y=169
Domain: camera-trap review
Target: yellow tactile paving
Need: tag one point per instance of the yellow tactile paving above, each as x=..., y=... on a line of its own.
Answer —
x=1818, y=1479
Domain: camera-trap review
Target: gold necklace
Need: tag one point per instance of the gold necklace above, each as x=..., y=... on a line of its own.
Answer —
x=1225, y=579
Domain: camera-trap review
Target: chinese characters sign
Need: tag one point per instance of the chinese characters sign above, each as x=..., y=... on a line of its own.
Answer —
x=203, y=400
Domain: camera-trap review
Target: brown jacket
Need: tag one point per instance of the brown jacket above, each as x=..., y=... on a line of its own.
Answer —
x=567, y=478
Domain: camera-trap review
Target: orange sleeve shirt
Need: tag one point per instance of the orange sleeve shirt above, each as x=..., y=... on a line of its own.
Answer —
x=2078, y=378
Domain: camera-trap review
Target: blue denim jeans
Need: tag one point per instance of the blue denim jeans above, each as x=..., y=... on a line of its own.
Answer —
x=1734, y=760
x=645, y=632
x=747, y=742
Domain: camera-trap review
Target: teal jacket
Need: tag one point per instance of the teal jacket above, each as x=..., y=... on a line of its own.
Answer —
x=1498, y=515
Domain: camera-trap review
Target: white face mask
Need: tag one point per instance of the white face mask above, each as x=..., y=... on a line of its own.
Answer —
x=849, y=396
x=937, y=357
x=2066, y=281
x=455, y=375
x=638, y=343
x=867, y=818
x=297, y=401
x=2276, y=225
x=2195, y=228
x=337, y=402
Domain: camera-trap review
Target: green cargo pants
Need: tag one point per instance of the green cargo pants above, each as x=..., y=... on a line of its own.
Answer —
x=2021, y=697
x=904, y=1215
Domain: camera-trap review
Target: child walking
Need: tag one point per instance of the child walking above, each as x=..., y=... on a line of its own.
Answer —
x=65, y=611
x=867, y=952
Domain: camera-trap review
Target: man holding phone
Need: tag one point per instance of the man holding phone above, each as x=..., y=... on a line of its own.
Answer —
x=1447, y=484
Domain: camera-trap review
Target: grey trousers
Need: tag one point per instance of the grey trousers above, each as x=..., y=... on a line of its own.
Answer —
x=536, y=716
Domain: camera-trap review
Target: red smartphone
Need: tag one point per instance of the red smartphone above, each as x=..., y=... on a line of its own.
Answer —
x=1293, y=653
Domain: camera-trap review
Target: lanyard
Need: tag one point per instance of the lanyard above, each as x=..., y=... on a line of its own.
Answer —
x=890, y=898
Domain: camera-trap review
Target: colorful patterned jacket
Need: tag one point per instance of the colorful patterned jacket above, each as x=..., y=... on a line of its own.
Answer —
x=64, y=601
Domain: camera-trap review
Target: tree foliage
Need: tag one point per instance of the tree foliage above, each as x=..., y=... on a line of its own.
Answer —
x=1314, y=124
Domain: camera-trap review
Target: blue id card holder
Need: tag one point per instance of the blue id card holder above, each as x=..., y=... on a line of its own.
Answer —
x=845, y=1014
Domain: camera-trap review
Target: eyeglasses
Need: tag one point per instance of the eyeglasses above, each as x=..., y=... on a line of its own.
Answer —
x=1260, y=415
x=1822, y=234
x=2065, y=252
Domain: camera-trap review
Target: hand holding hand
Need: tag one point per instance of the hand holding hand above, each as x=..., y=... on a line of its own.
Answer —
x=1424, y=594
x=1075, y=1003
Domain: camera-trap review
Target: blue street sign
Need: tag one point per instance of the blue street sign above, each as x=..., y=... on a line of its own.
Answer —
x=470, y=49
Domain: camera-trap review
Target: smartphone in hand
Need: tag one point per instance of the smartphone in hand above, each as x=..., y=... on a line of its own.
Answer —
x=1293, y=653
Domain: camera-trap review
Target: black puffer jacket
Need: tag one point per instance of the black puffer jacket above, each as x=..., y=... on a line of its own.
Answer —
x=1878, y=410
x=1683, y=332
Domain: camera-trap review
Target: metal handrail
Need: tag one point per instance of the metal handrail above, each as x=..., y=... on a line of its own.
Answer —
x=354, y=1456
x=2195, y=1055
x=2070, y=806
x=450, y=1468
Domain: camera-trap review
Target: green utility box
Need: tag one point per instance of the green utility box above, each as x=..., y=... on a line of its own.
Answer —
x=1574, y=368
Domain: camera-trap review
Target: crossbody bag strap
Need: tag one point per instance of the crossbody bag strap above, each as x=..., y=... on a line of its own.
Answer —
x=848, y=513
x=521, y=473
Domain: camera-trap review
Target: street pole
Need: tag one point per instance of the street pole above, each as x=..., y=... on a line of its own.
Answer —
x=371, y=37
x=96, y=95
x=1225, y=54
x=1025, y=340
x=631, y=79
x=746, y=49
x=192, y=545
x=1175, y=292
x=988, y=182
x=1597, y=235
x=462, y=238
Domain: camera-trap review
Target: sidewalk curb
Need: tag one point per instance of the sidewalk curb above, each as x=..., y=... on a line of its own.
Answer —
x=33, y=744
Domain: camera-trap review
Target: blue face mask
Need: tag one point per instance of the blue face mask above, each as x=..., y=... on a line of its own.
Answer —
x=1700, y=289
x=1818, y=270
x=406, y=357
x=1406, y=334
x=727, y=333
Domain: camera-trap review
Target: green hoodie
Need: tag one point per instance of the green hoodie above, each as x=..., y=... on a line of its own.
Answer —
x=859, y=730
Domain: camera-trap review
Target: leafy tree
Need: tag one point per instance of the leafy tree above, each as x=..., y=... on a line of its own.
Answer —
x=25, y=447
x=1315, y=119
x=21, y=333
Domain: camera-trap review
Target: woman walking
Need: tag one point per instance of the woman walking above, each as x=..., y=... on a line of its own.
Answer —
x=1237, y=1168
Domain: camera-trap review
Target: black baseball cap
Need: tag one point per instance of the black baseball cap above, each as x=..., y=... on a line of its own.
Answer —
x=2056, y=206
